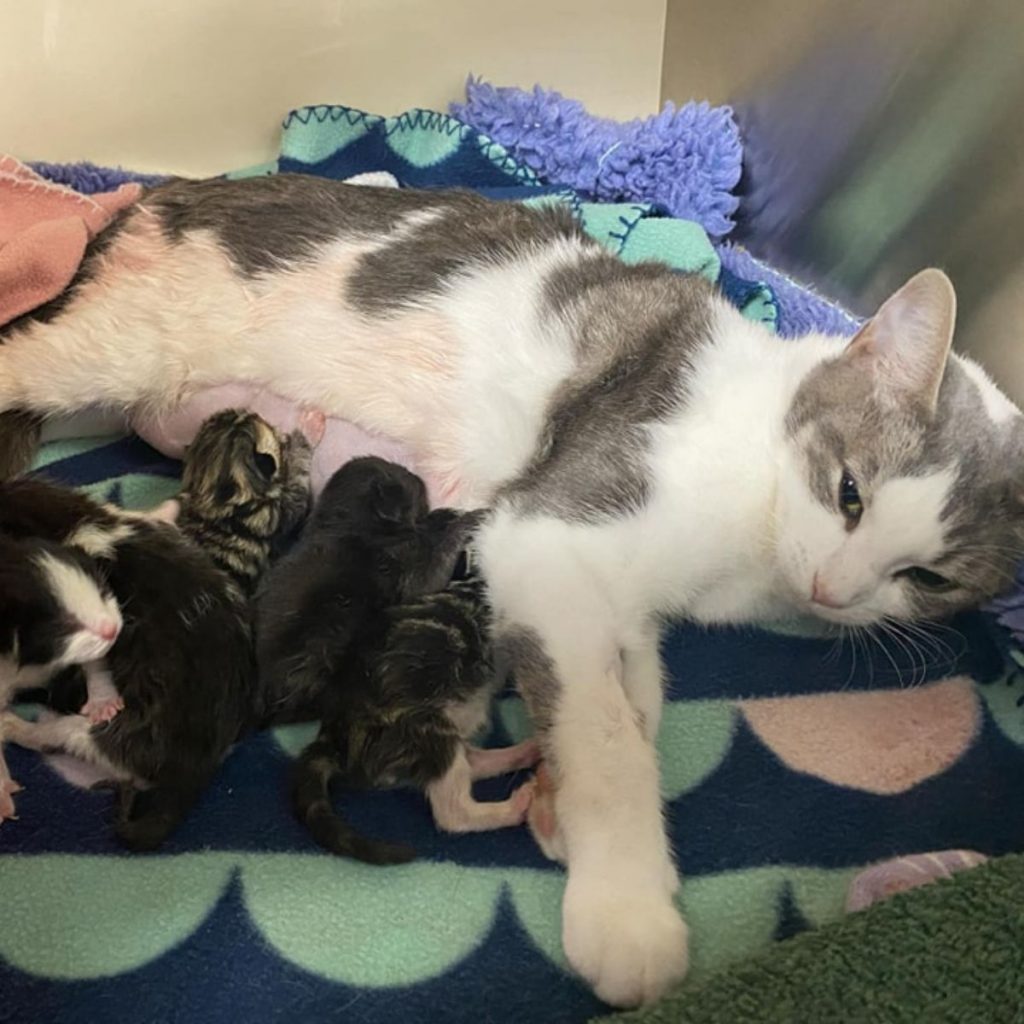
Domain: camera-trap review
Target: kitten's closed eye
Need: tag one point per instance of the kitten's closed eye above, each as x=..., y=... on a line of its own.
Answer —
x=925, y=578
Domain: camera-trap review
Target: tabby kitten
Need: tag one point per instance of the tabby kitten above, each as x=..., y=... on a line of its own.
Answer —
x=245, y=493
x=411, y=703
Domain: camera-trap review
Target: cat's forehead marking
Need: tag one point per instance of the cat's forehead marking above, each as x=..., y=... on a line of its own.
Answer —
x=999, y=408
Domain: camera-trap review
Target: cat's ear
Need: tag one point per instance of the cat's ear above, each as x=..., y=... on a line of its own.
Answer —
x=390, y=502
x=906, y=343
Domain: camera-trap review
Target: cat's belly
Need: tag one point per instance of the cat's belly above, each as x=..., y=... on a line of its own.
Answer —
x=462, y=379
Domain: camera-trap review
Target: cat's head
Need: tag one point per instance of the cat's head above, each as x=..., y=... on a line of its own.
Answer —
x=372, y=496
x=901, y=484
x=238, y=465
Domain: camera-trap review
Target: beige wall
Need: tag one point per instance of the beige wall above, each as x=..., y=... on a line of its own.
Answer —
x=200, y=86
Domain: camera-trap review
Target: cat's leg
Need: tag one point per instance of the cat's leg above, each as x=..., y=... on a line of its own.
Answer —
x=486, y=764
x=643, y=677
x=560, y=628
x=68, y=733
x=103, y=701
x=455, y=809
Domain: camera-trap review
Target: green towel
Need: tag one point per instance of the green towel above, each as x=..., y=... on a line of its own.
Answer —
x=951, y=951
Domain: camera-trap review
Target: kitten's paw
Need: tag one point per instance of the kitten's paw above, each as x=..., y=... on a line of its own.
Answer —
x=312, y=424
x=519, y=802
x=8, y=787
x=102, y=709
x=630, y=945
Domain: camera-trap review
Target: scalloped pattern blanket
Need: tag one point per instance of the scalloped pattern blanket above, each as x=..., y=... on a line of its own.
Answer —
x=788, y=765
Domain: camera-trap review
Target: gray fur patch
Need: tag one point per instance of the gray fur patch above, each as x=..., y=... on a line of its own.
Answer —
x=469, y=231
x=637, y=329
x=263, y=223
x=534, y=672
x=840, y=420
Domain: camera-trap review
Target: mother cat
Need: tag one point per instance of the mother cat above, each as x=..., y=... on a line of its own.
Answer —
x=646, y=450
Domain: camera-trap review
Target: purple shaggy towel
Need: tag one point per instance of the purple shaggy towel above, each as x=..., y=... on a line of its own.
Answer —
x=87, y=178
x=687, y=161
x=800, y=309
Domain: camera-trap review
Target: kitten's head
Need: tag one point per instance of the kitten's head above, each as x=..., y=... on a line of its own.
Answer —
x=900, y=487
x=238, y=465
x=56, y=608
x=370, y=495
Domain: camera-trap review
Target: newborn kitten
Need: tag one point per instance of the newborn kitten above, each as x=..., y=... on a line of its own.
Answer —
x=412, y=690
x=182, y=662
x=245, y=493
x=56, y=610
x=369, y=543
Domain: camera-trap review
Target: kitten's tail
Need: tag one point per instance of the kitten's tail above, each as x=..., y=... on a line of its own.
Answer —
x=149, y=816
x=19, y=440
x=314, y=769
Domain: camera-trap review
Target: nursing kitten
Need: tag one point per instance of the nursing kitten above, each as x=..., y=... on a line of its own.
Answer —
x=182, y=662
x=646, y=450
x=56, y=610
x=245, y=493
x=370, y=542
x=405, y=690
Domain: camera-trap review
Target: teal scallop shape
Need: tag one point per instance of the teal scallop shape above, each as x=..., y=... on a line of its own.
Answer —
x=537, y=898
x=322, y=131
x=363, y=925
x=293, y=739
x=694, y=739
x=424, y=147
x=1005, y=702
x=78, y=917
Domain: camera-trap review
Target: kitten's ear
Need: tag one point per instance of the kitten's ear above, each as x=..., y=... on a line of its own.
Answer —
x=906, y=343
x=390, y=502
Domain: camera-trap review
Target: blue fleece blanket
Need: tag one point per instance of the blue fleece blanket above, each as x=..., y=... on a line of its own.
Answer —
x=788, y=764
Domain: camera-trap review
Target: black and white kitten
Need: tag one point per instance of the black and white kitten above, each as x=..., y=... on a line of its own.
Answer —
x=56, y=610
x=182, y=662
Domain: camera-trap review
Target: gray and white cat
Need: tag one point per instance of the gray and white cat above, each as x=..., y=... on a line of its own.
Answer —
x=647, y=452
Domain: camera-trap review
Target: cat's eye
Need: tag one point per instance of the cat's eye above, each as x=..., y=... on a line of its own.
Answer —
x=265, y=464
x=849, y=499
x=927, y=579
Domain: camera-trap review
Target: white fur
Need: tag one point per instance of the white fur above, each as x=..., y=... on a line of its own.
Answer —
x=998, y=407
x=81, y=599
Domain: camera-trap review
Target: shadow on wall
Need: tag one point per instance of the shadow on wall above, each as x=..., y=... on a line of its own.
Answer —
x=881, y=138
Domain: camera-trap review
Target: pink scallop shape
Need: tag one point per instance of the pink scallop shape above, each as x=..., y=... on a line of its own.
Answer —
x=885, y=741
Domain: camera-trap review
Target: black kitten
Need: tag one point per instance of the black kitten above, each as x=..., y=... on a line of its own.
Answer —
x=183, y=662
x=369, y=543
x=401, y=681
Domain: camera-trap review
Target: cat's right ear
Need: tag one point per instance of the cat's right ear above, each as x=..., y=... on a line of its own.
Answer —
x=905, y=345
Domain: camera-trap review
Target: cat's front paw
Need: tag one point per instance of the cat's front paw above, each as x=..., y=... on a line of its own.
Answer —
x=629, y=944
x=102, y=709
x=8, y=787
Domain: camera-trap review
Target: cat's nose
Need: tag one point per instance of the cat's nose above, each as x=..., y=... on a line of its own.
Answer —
x=107, y=630
x=820, y=595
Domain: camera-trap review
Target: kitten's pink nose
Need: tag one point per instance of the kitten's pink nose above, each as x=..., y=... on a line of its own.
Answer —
x=107, y=630
x=820, y=595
